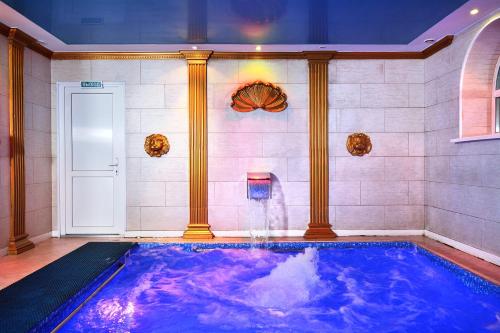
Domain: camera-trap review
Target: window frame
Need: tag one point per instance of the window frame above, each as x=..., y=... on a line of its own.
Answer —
x=495, y=119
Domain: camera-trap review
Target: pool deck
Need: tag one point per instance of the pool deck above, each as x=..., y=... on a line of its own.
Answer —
x=14, y=268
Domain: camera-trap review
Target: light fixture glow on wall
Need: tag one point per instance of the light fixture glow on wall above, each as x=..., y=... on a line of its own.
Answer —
x=474, y=11
x=194, y=47
x=258, y=48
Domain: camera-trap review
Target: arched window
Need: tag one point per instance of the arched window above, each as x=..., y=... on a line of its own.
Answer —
x=479, y=113
x=496, y=98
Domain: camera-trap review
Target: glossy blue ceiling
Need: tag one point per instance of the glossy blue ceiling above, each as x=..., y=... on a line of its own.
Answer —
x=235, y=21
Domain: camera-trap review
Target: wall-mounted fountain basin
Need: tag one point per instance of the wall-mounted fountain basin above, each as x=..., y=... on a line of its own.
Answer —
x=259, y=185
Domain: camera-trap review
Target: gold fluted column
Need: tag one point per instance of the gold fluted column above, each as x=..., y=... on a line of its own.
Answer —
x=198, y=226
x=319, y=226
x=18, y=238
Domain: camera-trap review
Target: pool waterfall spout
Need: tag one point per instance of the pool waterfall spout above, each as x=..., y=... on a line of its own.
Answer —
x=259, y=189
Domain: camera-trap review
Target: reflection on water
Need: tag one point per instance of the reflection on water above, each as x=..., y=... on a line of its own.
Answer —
x=166, y=289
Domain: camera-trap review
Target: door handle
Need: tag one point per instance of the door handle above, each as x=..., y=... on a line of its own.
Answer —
x=115, y=167
x=115, y=164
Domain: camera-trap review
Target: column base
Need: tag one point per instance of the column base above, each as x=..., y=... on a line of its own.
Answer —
x=198, y=231
x=319, y=231
x=20, y=244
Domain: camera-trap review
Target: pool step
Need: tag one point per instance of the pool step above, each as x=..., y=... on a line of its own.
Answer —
x=41, y=300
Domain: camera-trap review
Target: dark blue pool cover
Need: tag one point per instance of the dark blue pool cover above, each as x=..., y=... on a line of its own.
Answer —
x=30, y=303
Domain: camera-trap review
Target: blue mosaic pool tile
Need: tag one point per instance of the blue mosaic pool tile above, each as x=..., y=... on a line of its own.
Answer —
x=281, y=245
x=470, y=279
x=59, y=315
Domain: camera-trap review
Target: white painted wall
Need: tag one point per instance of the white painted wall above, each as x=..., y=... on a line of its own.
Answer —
x=462, y=179
x=385, y=189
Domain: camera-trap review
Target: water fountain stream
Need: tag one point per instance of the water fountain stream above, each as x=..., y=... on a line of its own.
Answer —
x=259, y=193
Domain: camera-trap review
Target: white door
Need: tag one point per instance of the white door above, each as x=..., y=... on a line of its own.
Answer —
x=94, y=159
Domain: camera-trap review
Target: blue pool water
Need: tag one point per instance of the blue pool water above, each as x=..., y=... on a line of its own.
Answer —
x=345, y=287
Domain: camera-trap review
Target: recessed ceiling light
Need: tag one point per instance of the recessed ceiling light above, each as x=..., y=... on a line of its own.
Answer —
x=474, y=11
x=258, y=48
x=429, y=40
x=194, y=47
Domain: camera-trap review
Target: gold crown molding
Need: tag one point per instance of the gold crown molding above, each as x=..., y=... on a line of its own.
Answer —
x=257, y=55
x=438, y=46
x=19, y=36
x=18, y=238
x=319, y=226
x=41, y=50
x=250, y=55
x=4, y=29
x=116, y=55
x=377, y=55
x=198, y=226
x=327, y=55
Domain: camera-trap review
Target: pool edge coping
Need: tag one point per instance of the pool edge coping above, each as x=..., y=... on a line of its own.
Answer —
x=457, y=262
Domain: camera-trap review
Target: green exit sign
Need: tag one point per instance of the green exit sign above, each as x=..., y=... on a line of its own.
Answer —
x=91, y=84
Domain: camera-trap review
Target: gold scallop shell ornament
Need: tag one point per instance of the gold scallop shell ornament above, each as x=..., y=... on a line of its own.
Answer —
x=259, y=95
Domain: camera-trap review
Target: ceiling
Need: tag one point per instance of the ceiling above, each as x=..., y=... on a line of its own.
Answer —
x=92, y=23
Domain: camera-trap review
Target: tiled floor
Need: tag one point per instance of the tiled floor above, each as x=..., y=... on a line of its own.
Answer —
x=14, y=268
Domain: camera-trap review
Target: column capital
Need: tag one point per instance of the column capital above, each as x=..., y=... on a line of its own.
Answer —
x=318, y=56
x=196, y=56
x=19, y=37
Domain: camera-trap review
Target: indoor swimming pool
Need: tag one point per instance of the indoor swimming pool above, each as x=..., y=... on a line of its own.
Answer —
x=290, y=287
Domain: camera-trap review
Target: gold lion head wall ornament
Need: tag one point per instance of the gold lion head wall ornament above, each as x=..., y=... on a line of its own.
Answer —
x=259, y=95
x=359, y=144
x=156, y=145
